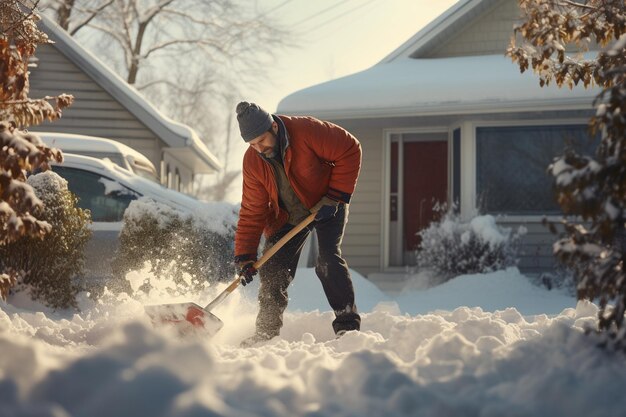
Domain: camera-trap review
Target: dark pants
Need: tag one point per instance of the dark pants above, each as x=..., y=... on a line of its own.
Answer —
x=332, y=270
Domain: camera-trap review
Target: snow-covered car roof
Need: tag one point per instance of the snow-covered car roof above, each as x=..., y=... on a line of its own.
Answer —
x=136, y=183
x=69, y=142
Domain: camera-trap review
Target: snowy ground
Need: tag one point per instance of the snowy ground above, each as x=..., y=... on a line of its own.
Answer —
x=482, y=345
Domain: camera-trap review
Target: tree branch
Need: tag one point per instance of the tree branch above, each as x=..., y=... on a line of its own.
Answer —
x=566, y=3
x=192, y=18
x=158, y=8
x=93, y=14
x=199, y=42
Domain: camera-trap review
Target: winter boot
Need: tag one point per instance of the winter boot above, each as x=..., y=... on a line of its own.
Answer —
x=255, y=339
x=346, y=320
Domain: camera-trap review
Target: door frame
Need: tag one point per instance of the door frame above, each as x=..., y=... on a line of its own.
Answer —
x=386, y=189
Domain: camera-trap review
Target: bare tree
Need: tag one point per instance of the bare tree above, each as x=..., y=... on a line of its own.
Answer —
x=220, y=31
x=186, y=56
x=191, y=57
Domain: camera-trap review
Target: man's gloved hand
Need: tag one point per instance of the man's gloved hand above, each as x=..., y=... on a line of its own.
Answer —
x=245, y=268
x=326, y=209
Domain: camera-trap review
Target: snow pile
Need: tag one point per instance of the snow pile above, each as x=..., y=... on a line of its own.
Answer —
x=493, y=291
x=462, y=361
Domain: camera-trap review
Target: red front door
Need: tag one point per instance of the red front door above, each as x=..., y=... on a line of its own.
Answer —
x=419, y=181
x=425, y=185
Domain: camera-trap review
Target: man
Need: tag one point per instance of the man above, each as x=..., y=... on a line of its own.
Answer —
x=295, y=166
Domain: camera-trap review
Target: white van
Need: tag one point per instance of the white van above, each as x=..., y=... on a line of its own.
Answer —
x=101, y=148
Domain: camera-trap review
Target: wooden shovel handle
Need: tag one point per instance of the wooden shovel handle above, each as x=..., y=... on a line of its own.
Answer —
x=271, y=251
x=266, y=256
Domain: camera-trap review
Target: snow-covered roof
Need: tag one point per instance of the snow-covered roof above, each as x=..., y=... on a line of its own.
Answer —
x=415, y=87
x=181, y=139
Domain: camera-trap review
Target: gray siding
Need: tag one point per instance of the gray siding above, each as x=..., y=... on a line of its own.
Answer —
x=536, y=246
x=94, y=112
x=362, y=243
x=489, y=34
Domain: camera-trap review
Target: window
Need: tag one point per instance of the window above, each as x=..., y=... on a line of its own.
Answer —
x=105, y=198
x=512, y=163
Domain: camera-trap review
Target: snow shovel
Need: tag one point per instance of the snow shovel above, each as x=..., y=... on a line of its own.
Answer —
x=188, y=317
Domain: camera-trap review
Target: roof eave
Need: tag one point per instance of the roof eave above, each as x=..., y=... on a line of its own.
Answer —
x=581, y=103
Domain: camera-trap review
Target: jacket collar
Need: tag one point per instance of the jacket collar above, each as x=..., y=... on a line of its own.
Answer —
x=283, y=135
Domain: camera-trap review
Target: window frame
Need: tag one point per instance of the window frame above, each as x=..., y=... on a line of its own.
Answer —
x=385, y=258
x=473, y=168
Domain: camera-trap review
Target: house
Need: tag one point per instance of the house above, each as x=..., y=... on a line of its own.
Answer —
x=446, y=117
x=106, y=106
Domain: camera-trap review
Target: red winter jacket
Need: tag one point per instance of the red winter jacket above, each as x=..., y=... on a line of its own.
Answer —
x=320, y=159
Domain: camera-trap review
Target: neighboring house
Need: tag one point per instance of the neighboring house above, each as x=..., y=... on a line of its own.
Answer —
x=106, y=106
x=447, y=117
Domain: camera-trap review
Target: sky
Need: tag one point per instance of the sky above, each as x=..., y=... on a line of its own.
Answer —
x=336, y=38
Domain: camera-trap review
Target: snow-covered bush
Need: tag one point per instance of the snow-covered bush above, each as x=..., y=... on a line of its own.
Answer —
x=51, y=268
x=451, y=247
x=190, y=249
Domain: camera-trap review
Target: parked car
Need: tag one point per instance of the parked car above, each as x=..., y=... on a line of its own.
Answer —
x=101, y=148
x=107, y=189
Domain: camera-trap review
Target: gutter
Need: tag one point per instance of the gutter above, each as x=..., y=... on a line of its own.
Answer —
x=584, y=103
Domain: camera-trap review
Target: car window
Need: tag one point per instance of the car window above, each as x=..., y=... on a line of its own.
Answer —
x=107, y=199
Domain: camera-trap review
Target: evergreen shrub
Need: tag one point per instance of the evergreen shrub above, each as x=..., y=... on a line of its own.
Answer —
x=51, y=268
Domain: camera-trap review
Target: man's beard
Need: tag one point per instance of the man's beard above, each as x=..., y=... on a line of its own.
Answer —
x=271, y=153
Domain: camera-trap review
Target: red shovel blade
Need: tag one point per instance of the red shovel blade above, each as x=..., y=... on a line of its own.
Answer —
x=186, y=317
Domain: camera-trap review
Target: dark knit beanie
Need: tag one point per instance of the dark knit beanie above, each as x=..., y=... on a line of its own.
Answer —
x=253, y=120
